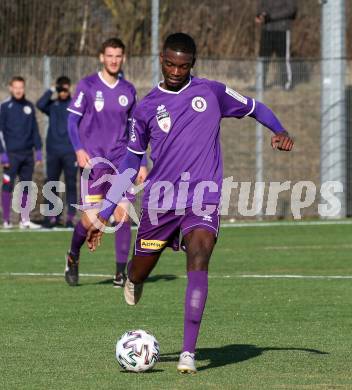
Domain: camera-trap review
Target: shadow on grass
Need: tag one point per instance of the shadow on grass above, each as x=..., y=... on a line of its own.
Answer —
x=234, y=353
x=157, y=278
x=151, y=279
x=153, y=371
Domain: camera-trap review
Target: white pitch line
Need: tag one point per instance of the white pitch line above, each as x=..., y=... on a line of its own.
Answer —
x=246, y=276
x=223, y=225
x=308, y=247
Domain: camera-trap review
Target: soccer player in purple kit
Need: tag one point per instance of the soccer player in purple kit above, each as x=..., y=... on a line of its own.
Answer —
x=180, y=118
x=97, y=125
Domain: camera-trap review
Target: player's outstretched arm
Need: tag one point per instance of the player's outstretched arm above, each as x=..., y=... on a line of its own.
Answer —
x=121, y=183
x=281, y=140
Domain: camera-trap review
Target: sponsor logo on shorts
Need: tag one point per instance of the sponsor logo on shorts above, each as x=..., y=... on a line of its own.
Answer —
x=93, y=198
x=153, y=244
x=123, y=100
x=27, y=110
x=236, y=95
x=199, y=104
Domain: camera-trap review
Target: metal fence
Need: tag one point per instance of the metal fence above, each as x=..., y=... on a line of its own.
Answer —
x=299, y=109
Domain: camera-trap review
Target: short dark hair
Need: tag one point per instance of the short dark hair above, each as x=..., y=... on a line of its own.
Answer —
x=63, y=80
x=180, y=42
x=112, y=42
x=17, y=78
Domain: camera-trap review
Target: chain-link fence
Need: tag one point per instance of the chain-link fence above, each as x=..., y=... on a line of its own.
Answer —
x=299, y=109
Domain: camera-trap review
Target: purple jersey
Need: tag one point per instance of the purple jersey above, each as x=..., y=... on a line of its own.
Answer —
x=183, y=129
x=105, y=111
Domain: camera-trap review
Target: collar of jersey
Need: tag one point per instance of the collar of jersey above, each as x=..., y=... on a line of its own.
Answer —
x=173, y=92
x=107, y=84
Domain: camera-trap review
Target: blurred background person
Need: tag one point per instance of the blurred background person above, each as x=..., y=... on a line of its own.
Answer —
x=275, y=18
x=60, y=155
x=19, y=136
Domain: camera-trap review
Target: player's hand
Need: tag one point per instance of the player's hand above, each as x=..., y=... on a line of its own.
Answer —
x=95, y=233
x=282, y=141
x=82, y=158
x=142, y=175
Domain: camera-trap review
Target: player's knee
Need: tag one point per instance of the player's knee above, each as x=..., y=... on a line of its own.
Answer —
x=199, y=254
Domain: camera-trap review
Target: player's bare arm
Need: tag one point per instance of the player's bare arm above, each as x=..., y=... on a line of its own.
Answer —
x=95, y=233
x=142, y=175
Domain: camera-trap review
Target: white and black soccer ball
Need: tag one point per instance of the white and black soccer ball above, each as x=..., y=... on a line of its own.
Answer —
x=137, y=350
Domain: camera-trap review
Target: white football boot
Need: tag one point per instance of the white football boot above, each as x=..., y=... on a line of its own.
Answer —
x=29, y=225
x=132, y=292
x=186, y=364
x=7, y=225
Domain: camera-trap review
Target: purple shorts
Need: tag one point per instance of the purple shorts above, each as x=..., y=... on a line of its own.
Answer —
x=91, y=195
x=154, y=237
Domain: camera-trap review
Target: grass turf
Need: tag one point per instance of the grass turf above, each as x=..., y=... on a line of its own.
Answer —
x=256, y=333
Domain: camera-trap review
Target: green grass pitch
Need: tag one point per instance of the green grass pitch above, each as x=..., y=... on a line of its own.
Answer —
x=257, y=333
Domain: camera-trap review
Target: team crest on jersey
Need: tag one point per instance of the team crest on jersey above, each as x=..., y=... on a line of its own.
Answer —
x=99, y=101
x=199, y=104
x=163, y=118
x=123, y=100
x=27, y=110
x=79, y=99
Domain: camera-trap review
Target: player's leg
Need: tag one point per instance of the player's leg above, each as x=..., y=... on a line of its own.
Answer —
x=122, y=242
x=70, y=172
x=78, y=239
x=91, y=197
x=152, y=238
x=8, y=180
x=265, y=52
x=53, y=172
x=25, y=173
x=199, y=245
x=139, y=268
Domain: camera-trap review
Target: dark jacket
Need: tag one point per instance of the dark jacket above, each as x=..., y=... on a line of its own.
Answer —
x=19, y=126
x=279, y=14
x=57, y=139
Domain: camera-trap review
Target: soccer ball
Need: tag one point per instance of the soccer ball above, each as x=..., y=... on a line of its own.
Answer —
x=137, y=350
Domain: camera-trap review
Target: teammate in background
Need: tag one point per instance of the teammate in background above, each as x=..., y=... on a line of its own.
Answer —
x=275, y=18
x=19, y=135
x=97, y=124
x=60, y=155
x=181, y=117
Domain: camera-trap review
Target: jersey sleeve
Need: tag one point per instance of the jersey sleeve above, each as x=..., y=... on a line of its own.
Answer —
x=138, y=133
x=78, y=103
x=231, y=103
x=133, y=105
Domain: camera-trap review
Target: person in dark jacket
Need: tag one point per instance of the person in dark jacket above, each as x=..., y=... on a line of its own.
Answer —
x=60, y=154
x=19, y=136
x=275, y=17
